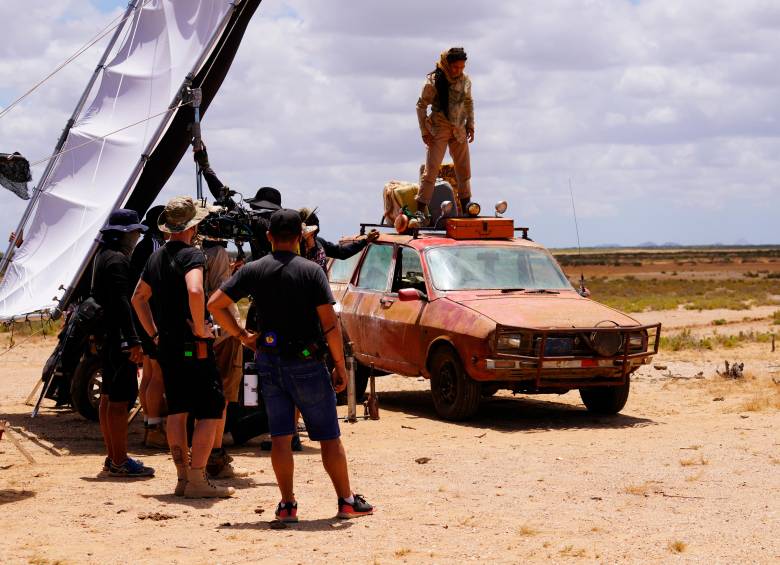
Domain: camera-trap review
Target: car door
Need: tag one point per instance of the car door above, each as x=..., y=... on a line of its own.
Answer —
x=403, y=348
x=361, y=302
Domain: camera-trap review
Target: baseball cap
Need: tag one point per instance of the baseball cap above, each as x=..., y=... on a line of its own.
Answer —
x=286, y=222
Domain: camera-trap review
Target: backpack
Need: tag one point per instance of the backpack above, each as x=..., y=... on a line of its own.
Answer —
x=88, y=316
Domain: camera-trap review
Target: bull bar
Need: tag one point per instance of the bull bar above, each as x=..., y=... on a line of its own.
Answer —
x=535, y=363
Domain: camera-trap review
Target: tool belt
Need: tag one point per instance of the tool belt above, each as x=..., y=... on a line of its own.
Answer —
x=271, y=343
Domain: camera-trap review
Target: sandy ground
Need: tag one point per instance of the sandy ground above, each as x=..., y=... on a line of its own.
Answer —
x=689, y=472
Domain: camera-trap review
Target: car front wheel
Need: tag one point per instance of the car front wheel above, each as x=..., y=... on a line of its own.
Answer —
x=606, y=400
x=455, y=395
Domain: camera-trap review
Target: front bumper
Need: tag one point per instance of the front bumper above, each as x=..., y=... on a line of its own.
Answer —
x=543, y=370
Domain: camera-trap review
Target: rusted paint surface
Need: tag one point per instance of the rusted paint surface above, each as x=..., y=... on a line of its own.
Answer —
x=398, y=336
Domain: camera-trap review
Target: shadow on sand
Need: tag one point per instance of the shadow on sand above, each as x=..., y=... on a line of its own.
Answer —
x=512, y=414
x=7, y=496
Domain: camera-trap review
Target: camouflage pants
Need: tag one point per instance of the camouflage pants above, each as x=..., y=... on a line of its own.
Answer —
x=446, y=136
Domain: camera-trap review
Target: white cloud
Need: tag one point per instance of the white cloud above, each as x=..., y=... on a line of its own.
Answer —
x=664, y=114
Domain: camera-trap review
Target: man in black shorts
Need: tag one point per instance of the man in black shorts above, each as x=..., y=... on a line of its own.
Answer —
x=174, y=276
x=121, y=349
x=295, y=318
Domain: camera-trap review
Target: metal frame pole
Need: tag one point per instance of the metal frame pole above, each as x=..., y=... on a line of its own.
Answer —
x=64, y=136
x=351, y=392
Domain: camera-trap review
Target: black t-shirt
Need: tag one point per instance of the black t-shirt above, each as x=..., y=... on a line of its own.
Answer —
x=113, y=289
x=164, y=272
x=148, y=245
x=286, y=289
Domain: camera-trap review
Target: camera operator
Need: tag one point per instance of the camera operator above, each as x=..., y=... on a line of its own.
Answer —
x=174, y=276
x=298, y=324
x=266, y=201
x=121, y=348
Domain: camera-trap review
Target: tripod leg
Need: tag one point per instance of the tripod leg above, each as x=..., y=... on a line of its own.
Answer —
x=38, y=384
x=44, y=391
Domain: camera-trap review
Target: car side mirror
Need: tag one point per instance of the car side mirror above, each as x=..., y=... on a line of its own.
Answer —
x=411, y=295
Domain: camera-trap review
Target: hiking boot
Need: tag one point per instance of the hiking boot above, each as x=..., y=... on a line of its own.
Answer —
x=287, y=512
x=155, y=437
x=131, y=468
x=220, y=466
x=181, y=485
x=295, y=443
x=199, y=486
x=218, y=458
x=358, y=508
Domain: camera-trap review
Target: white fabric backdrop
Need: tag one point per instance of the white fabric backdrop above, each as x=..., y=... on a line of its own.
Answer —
x=159, y=46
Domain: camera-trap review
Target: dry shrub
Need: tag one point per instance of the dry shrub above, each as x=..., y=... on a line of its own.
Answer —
x=761, y=402
x=638, y=490
x=694, y=478
x=402, y=552
x=694, y=461
x=527, y=531
x=677, y=546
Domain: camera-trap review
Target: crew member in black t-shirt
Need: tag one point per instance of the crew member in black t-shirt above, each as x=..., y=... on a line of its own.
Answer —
x=174, y=277
x=297, y=325
x=150, y=391
x=121, y=349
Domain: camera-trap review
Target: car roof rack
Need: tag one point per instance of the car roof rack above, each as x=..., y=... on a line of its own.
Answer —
x=415, y=232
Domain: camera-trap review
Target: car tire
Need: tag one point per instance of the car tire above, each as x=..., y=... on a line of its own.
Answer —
x=455, y=394
x=607, y=400
x=85, y=387
x=361, y=383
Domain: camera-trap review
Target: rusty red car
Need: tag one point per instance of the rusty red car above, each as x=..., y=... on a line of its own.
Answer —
x=476, y=315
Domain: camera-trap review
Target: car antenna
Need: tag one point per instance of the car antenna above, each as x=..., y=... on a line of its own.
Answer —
x=583, y=291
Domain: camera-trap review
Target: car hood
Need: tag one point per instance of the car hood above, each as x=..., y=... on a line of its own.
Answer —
x=543, y=311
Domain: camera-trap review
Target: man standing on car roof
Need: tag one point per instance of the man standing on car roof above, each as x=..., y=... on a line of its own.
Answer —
x=121, y=349
x=296, y=325
x=447, y=91
x=174, y=276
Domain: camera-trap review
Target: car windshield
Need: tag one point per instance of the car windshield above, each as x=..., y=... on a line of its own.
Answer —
x=475, y=267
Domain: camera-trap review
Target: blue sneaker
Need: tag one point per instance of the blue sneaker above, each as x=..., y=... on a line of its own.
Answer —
x=131, y=468
x=106, y=468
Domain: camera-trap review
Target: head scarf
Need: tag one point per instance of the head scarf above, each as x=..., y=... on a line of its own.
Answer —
x=443, y=79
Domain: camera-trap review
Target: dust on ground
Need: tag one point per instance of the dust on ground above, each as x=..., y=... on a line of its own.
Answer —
x=689, y=472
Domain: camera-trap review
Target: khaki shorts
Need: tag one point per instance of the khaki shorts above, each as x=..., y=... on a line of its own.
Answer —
x=230, y=363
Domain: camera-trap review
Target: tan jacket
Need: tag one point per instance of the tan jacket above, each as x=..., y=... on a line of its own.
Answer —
x=461, y=111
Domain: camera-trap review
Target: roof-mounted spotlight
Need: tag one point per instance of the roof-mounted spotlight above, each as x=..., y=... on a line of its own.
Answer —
x=501, y=207
x=473, y=209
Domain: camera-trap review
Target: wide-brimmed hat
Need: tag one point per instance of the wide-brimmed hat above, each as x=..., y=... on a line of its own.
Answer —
x=267, y=198
x=180, y=214
x=123, y=220
x=286, y=223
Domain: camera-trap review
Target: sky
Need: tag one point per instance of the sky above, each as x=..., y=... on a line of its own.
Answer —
x=663, y=115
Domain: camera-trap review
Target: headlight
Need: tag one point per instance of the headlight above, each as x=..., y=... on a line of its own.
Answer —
x=509, y=341
x=637, y=341
x=606, y=344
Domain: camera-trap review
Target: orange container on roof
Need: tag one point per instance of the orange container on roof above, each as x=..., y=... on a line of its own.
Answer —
x=480, y=228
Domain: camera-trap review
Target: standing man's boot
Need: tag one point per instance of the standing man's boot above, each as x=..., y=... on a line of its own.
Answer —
x=199, y=486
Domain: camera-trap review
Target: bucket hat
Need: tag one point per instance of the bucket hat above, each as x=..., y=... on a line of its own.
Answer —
x=180, y=214
x=123, y=220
